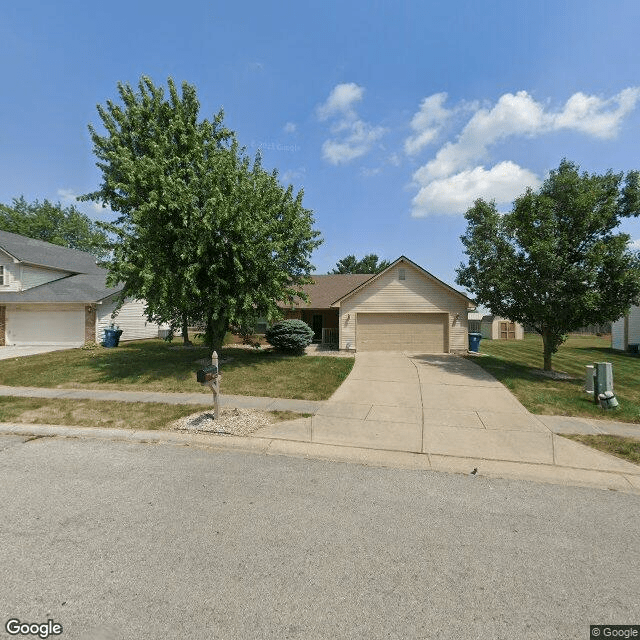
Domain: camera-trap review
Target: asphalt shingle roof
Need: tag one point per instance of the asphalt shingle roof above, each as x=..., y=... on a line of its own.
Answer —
x=79, y=288
x=327, y=289
x=45, y=254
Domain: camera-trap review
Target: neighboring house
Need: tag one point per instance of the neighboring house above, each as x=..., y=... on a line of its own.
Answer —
x=402, y=308
x=497, y=328
x=474, y=320
x=55, y=295
x=625, y=332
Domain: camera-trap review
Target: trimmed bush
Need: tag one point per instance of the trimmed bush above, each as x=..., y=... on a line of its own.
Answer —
x=291, y=336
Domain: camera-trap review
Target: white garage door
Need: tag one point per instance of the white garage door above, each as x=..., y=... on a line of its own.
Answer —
x=415, y=332
x=27, y=325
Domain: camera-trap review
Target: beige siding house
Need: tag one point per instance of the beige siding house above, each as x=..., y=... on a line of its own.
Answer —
x=403, y=308
x=58, y=296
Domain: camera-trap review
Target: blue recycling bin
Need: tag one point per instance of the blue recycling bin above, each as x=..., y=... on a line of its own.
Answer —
x=111, y=337
x=474, y=342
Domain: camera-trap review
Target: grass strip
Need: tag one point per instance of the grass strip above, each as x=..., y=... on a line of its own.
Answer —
x=620, y=446
x=101, y=413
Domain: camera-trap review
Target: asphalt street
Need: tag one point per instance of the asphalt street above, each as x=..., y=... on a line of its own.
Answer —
x=126, y=540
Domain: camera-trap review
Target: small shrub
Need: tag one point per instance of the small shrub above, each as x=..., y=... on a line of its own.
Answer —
x=291, y=336
x=246, y=334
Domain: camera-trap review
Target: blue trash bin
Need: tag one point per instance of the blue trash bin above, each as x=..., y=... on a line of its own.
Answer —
x=112, y=337
x=474, y=342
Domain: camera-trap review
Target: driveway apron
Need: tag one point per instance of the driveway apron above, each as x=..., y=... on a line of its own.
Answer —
x=8, y=352
x=440, y=405
x=468, y=413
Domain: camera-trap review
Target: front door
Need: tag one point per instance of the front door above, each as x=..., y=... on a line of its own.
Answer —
x=316, y=325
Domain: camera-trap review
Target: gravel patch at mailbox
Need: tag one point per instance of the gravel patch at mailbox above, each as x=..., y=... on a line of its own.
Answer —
x=232, y=422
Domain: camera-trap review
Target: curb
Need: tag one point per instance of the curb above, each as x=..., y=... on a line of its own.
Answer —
x=488, y=469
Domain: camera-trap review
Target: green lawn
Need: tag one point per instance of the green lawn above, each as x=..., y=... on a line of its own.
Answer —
x=626, y=448
x=94, y=413
x=100, y=413
x=155, y=365
x=515, y=364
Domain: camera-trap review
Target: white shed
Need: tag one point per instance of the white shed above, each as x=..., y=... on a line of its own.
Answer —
x=626, y=331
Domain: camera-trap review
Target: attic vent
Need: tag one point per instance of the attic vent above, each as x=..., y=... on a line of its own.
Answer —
x=402, y=274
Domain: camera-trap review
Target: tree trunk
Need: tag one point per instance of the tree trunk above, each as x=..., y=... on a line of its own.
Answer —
x=216, y=330
x=547, y=342
x=185, y=330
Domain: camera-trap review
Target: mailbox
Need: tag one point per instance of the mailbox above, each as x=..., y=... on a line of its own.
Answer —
x=207, y=374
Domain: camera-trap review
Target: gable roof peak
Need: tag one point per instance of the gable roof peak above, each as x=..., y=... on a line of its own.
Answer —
x=408, y=261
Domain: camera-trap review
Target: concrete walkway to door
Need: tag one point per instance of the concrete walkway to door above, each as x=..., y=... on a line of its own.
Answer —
x=453, y=414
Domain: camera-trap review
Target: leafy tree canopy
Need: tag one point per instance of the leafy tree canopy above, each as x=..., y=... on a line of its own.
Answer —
x=51, y=222
x=203, y=233
x=555, y=262
x=368, y=264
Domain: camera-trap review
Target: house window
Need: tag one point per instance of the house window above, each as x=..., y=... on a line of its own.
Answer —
x=402, y=274
x=2, y=276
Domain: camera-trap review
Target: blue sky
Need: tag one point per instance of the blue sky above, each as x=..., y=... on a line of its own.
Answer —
x=392, y=116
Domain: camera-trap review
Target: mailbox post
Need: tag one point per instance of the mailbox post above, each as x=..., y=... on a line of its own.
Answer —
x=209, y=376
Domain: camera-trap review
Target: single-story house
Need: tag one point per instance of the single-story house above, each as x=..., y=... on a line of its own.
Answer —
x=403, y=308
x=55, y=295
x=626, y=330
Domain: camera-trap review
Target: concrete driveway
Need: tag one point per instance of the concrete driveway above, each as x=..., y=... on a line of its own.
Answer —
x=8, y=352
x=443, y=406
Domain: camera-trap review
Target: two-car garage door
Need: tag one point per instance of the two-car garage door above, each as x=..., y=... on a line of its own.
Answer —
x=416, y=332
x=42, y=325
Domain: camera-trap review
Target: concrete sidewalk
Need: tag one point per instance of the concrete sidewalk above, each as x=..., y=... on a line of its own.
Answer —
x=242, y=402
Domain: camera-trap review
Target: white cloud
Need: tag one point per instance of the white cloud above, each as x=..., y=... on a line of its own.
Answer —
x=594, y=116
x=453, y=195
x=427, y=123
x=341, y=101
x=520, y=115
x=292, y=175
x=69, y=197
x=290, y=127
x=513, y=114
x=634, y=245
x=358, y=143
x=453, y=178
x=353, y=137
x=394, y=160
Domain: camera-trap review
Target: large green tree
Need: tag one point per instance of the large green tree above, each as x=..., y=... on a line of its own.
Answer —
x=369, y=264
x=204, y=234
x=51, y=222
x=556, y=261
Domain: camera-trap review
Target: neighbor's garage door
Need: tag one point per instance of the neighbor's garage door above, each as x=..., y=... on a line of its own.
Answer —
x=417, y=332
x=33, y=325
